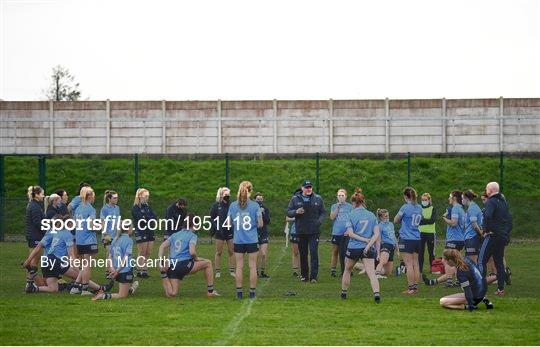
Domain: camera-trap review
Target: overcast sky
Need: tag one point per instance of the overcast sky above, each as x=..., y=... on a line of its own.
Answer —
x=207, y=50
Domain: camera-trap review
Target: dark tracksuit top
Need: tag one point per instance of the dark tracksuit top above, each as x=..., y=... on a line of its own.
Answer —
x=497, y=217
x=472, y=282
x=53, y=211
x=310, y=222
x=34, y=215
x=175, y=214
x=142, y=212
x=220, y=209
x=266, y=220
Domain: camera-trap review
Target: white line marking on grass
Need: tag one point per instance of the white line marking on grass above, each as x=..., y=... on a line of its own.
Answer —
x=230, y=330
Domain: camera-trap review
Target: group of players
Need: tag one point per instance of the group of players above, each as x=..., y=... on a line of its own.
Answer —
x=359, y=237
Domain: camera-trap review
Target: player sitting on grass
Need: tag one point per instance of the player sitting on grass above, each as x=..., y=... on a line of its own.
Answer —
x=183, y=259
x=472, y=282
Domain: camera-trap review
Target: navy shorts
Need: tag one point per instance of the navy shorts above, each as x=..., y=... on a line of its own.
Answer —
x=144, y=236
x=336, y=239
x=54, y=267
x=224, y=235
x=409, y=246
x=246, y=248
x=454, y=245
x=125, y=277
x=263, y=237
x=180, y=269
x=472, y=246
x=87, y=249
x=389, y=248
x=358, y=253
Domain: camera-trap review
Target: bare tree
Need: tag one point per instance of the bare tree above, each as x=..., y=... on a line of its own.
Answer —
x=63, y=86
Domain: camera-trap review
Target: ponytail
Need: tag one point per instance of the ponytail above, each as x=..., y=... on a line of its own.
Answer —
x=454, y=256
x=86, y=192
x=49, y=199
x=411, y=194
x=457, y=194
x=32, y=191
x=243, y=193
x=358, y=199
x=108, y=196
x=137, y=200
x=469, y=194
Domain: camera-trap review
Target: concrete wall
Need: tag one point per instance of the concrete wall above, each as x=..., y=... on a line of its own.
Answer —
x=270, y=126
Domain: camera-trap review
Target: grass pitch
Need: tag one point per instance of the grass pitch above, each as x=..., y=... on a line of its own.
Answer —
x=315, y=316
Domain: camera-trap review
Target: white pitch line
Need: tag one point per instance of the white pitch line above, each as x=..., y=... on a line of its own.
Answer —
x=245, y=310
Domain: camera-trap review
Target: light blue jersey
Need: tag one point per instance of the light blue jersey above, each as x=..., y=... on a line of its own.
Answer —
x=338, y=226
x=362, y=222
x=411, y=216
x=85, y=235
x=457, y=233
x=75, y=203
x=46, y=242
x=180, y=242
x=388, y=234
x=114, y=212
x=244, y=222
x=474, y=214
x=120, y=248
x=61, y=241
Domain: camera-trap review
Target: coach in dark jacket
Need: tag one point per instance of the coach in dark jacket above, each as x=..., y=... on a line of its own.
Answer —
x=497, y=226
x=308, y=210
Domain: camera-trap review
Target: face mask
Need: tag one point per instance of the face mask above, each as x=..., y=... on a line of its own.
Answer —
x=425, y=203
x=341, y=199
x=260, y=203
x=144, y=200
x=227, y=198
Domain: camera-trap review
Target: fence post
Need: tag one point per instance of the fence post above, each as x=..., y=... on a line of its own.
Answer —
x=501, y=171
x=331, y=125
x=219, y=141
x=41, y=169
x=2, y=195
x=501, y=124
x=275, y=128
x=408, y=169
x=136, y=170
x=51, y=127
x=163, y=127
x=387, y=126
x=317, y=173
x=443, y=130
x=227, y=170
x=108, y=128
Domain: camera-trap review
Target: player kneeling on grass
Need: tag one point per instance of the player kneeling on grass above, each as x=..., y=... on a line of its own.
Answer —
x=472, y=282
x=121, y=249
x=59, y=252
x=363, y=232
x=183, y=260
x=388, y=244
